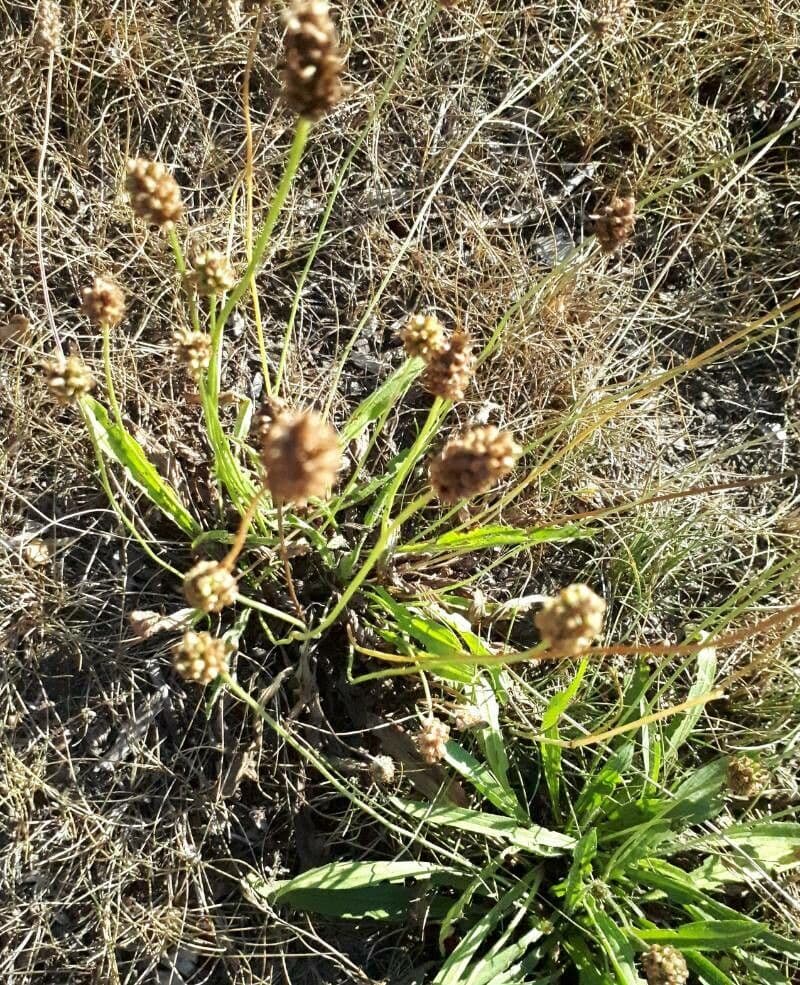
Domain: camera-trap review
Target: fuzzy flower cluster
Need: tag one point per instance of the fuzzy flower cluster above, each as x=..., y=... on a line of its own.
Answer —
x=200, y=657
x=572, y=619
x=449, y=361
x=301, y=456
x=472, y=462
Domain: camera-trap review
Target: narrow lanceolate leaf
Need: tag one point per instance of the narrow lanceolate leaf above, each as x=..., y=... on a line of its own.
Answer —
x=702, y=935
x=706, y=671
x=551, y=753
x=747, y=853
x=602, y=783
x=121, y=447
x=531, y=838
x=580, y=871
x=706, y=970
x=615, y=943
x=509, y=908
x=382, y=400
x=355, y=890
x=484, y=781
x=496, y=535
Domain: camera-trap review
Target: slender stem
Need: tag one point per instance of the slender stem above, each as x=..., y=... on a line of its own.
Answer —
x=105, y=332
x=268, y=610
x=241, y=534
x=337, y=185
x=287, y=568
x=180, y=263
x=281, y=192
x=248, y=183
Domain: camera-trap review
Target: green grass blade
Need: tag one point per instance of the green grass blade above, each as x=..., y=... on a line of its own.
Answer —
x=706, y=672
x=121, y=447
x=551, y=752
x=496, y=535
x=381, y=400
x=702, y=935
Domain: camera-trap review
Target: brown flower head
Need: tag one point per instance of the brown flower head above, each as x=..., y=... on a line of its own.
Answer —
x=450, y=368
x=382, y=770
x=154, y=193
x=665, y=965
x=301, y=457
x=68, y=378
x=609, y=16
x=192, y=350
x=572, y=619
x=432, y=739
x=209, y=586
x=47, y=33
x=103, y=303
x=423, y=336
x=746, y=777
x=212, y=273
x=200, y=657
x=472, y=463
x=613, y=224
x=312, y=63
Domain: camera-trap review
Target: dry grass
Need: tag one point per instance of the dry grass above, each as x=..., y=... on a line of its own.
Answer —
x=130, y=815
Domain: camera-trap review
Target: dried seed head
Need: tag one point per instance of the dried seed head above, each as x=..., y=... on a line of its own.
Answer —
x=746, y=777
x=15, y=329
x=192, y=350
x=209, y=586
x=312, y=64
x=36, y=553
x=614, y=223
x=472, y=463
x=212, y=273
x=450, y=368
x=47, y=34
x=610, y=16
x=103, y=303
x=200, y=657
x=432, y=739
x=154, y=193
x=382, y=770
x=68, y=378
x=572, y=619
x=665, y=965
x=423, y=336
x=301, y=456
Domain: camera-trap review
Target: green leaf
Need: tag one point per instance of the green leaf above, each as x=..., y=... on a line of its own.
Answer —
x=585, y=962
x=701, y=795
x=551, y=753
x=531, y=838
x=495, y=535
x=122, y=448
x=749, y=852
x=706, y=671
x=707, y=971
x=455, y=969
x=680, y=888
x=603, y=783
x=580, y=871
x=354, y=890
x=616, y=945
x=484, y=781
x=381, y=400
x=702, y=935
